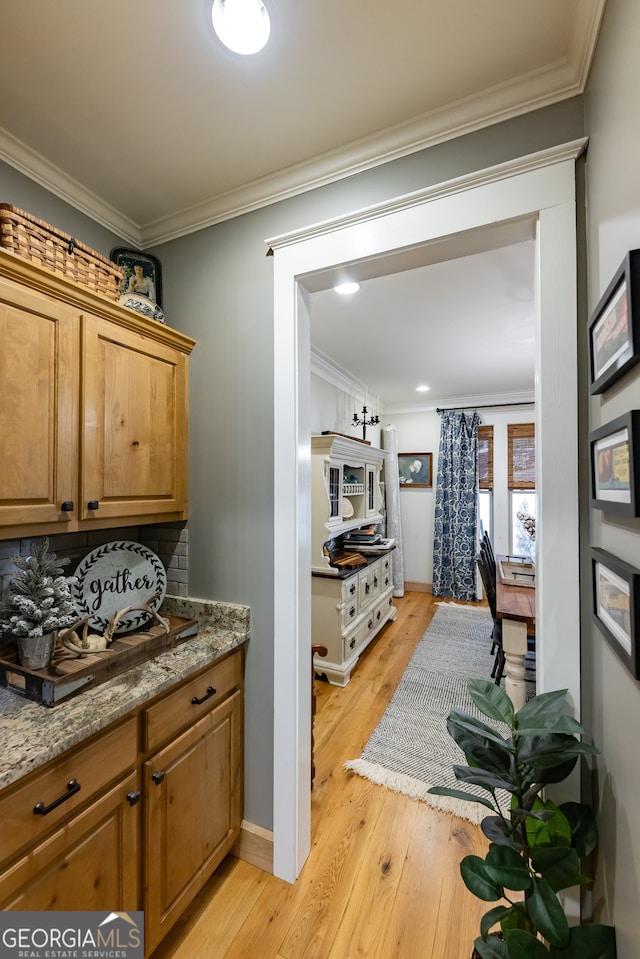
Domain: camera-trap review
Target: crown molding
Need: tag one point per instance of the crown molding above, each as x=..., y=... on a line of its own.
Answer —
x=340, y=378
x=337, y=376
x=19, y=156
x=470, y=181
x=504, y=101
x=478, y=401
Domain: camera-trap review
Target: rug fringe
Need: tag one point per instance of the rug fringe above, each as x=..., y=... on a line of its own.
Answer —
x=416, y=789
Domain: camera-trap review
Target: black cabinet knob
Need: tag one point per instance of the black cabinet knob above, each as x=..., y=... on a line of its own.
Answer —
x=67, y=506
x=93, y=504
x=157, y=777
x=133, y=797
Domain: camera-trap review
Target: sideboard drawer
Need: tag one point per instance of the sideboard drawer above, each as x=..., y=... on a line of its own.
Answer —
x=56, y=791
x=190, y=702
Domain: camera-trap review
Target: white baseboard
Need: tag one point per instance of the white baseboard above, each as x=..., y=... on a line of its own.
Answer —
x=255, y=846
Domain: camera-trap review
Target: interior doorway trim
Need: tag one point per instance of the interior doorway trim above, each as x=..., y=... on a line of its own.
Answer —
x=540, y=190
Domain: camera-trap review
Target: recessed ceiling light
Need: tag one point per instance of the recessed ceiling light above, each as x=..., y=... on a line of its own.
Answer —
x=242, y=25
x=422, y=389
x=346, y=288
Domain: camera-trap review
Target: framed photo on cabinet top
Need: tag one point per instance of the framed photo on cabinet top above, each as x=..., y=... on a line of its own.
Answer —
x=615, y=465
x=142, y=274
x=616, y=606
x=414, y=470
x=614, y=327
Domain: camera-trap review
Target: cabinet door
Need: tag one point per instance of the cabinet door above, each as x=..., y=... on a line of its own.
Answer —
x=193, y=798
x=134, y=425
x=90, y=863
x=38, y=408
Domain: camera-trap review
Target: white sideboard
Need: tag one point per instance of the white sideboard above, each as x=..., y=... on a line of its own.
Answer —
x=349, y=606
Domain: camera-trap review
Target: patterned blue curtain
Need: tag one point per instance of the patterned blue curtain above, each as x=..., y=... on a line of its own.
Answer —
x=454, y=539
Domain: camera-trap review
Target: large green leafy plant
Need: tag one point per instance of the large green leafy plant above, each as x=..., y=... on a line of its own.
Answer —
x=535, y=846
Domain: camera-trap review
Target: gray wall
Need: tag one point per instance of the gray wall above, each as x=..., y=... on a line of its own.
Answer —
x=612, y=696
x=217, y=287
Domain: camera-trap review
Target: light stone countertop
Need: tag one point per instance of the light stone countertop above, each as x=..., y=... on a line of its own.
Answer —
x=31, y=734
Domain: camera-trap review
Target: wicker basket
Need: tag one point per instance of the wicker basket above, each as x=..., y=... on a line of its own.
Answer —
x=37, y=241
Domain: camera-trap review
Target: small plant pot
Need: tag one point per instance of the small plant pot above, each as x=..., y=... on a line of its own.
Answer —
x=36, y=652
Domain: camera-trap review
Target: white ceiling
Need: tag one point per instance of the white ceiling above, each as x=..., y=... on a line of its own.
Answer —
x=135, y=114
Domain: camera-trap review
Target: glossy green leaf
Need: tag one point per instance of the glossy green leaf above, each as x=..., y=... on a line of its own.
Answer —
x=584, y=828
x=491, y=700
x=552, y=749
x=499, y=831
x=546, y=913
x=478, y=880
x=552, y=831
x=506, y=867
x=460, y=794
x=560, y=867
x=589, y=941
x=542, y=709
x=480, y=777
x=522, y=945
x=491, y=948
x=489, y=920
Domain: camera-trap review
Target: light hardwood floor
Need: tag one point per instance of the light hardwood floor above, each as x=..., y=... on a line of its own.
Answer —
x=382, y=880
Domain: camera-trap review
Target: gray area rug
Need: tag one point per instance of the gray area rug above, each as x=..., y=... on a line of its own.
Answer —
x=410, y=748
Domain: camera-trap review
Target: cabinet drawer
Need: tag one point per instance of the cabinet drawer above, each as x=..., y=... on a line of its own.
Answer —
x=350, y=591
x=186, y=705
x=91, y=767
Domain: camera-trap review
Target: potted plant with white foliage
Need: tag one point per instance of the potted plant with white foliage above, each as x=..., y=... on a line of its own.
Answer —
x=38, y=604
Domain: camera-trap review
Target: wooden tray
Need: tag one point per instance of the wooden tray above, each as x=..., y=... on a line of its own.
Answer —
x=66, y=677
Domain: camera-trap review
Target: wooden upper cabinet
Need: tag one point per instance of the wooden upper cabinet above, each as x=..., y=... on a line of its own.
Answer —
x=38, y=407
x=134, y=424
x=93, y=409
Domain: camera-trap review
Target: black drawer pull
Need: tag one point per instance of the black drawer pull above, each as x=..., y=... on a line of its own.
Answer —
x=67, y=506
x=209, y=693
x=366, y=587
x=375, y=580
x=93, y=505
x=370, y=624
x=157, y=777
x=352, y=588
x=133, y=797
x=352, y=611
x=73, y=786
x=352, y=643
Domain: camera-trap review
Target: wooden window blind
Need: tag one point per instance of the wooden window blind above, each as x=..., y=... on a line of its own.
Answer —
x=485, y=457
x=522, y=455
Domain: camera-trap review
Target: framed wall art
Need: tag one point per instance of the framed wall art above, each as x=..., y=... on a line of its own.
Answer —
x=415, y=470
x=616, y=606
x=142, y=273
x=615, y=465
x=614, y=327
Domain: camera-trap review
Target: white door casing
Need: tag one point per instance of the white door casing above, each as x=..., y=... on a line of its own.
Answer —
x=539, y=190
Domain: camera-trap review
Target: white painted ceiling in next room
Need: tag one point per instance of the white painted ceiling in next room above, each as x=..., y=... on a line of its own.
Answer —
x=464, y=326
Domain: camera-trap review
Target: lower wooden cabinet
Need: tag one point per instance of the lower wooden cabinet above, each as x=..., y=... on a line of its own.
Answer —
x=193, y=813
x=137, y=817
x=90, y=863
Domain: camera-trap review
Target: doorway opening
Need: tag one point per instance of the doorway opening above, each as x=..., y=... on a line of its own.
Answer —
x=539, y=190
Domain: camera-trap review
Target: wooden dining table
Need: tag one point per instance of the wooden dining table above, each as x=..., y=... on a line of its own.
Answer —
x=516, y=607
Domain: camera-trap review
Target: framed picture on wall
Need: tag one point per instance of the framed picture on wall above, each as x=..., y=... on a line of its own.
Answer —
x=614, y=327
x=616, y=606
x=415, y=470
x=615, y=465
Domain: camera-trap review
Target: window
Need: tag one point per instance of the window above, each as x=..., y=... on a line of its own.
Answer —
x=485, y=479
x=522, y=482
